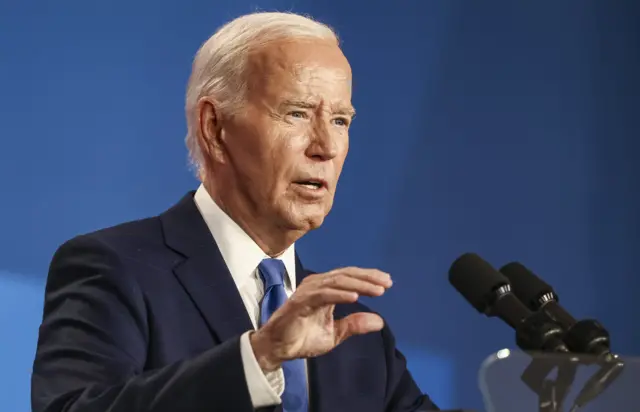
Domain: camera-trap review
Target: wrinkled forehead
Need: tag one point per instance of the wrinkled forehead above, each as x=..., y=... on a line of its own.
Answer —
x=311, y=69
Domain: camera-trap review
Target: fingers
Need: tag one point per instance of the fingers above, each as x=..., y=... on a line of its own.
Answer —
x=326, y=296
x=374, y=276
x=338, y=287
x=367, y=282
x=351, y=284
x=357, y=324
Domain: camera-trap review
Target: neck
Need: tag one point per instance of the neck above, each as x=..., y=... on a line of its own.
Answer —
x=272, y=239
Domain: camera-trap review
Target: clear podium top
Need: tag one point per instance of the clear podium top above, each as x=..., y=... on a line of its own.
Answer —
x=513, y=381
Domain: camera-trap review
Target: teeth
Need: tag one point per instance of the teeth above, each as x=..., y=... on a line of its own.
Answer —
x=311, y=185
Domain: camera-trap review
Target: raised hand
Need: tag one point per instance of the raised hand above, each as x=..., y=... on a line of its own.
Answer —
x=304, y=326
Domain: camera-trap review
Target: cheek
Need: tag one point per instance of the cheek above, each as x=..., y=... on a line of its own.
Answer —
x=265, y=151
x=280, y=165
x=343, y=150
x=289, y=149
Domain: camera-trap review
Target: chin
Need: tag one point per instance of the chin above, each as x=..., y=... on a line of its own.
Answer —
x=303, y=216
x=304, y=223
x=314, y=222
x=306, y=218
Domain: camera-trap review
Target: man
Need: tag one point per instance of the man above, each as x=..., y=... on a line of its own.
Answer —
x=207, y=307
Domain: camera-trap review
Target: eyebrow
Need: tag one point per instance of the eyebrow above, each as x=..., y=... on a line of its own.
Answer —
x=305, y=104
x=346, y=111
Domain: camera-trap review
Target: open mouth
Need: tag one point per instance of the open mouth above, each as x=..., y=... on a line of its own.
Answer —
x=312, y=184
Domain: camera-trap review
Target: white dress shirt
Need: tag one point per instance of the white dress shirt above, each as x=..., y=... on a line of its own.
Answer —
x=242, y=256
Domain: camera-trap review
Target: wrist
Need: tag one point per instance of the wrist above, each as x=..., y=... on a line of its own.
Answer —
x=263, y=352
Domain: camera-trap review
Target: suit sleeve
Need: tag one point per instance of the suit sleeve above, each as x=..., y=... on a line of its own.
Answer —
x=92, y=346
x=403, y=394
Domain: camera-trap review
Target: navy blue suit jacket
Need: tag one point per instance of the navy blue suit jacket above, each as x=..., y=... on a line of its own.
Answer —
x=145, y=316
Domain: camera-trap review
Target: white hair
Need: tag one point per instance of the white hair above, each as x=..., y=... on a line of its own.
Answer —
x=219, y=66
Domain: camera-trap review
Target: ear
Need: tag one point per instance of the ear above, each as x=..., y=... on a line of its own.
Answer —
x=210, y=133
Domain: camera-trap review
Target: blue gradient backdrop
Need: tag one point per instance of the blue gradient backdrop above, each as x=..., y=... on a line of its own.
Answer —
x=506, y=128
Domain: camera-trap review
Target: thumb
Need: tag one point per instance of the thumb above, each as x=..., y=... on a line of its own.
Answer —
x=357, y=324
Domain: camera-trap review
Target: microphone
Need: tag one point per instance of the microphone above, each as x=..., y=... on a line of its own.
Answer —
x=490, y=293
x=585, y=336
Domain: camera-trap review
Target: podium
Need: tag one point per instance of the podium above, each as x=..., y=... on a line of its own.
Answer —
x=515, y=381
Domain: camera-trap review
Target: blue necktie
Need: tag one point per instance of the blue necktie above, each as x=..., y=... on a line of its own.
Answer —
x=294, y=398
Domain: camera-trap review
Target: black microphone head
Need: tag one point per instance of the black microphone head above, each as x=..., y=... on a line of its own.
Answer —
x=476, y=280
x=528, y=287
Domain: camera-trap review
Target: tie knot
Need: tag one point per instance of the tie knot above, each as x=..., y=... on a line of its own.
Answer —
x=272, y=272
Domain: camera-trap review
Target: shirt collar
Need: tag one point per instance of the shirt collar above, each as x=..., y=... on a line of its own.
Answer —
x=241, y=254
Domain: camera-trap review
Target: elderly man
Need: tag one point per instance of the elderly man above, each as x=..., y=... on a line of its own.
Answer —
x=207, y=307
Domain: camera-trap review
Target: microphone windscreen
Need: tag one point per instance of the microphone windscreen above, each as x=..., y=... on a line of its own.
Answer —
x=525, y=284
x=476, y=280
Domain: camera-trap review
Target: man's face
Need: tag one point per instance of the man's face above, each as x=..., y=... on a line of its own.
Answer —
x=286, y=149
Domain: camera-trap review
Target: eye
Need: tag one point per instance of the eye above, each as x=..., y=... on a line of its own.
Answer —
x=298, y=114
x=341, y=121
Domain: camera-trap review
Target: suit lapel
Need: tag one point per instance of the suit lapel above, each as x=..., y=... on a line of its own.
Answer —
x=301, y=273
x=203, y=273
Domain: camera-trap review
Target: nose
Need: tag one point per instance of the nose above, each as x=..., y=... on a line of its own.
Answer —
x=323, y=145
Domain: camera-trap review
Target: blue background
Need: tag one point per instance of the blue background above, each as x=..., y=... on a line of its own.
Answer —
x=506, y=128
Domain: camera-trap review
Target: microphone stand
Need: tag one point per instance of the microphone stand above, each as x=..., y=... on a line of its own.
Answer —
x=589, y=336
x=586, y=337
x=538, y=333
x=551, y=393
x=611, y=367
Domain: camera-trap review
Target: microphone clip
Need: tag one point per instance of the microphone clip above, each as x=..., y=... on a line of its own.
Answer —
x=537, y=332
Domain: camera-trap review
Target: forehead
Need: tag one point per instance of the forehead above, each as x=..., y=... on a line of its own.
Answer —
x=310, y=69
